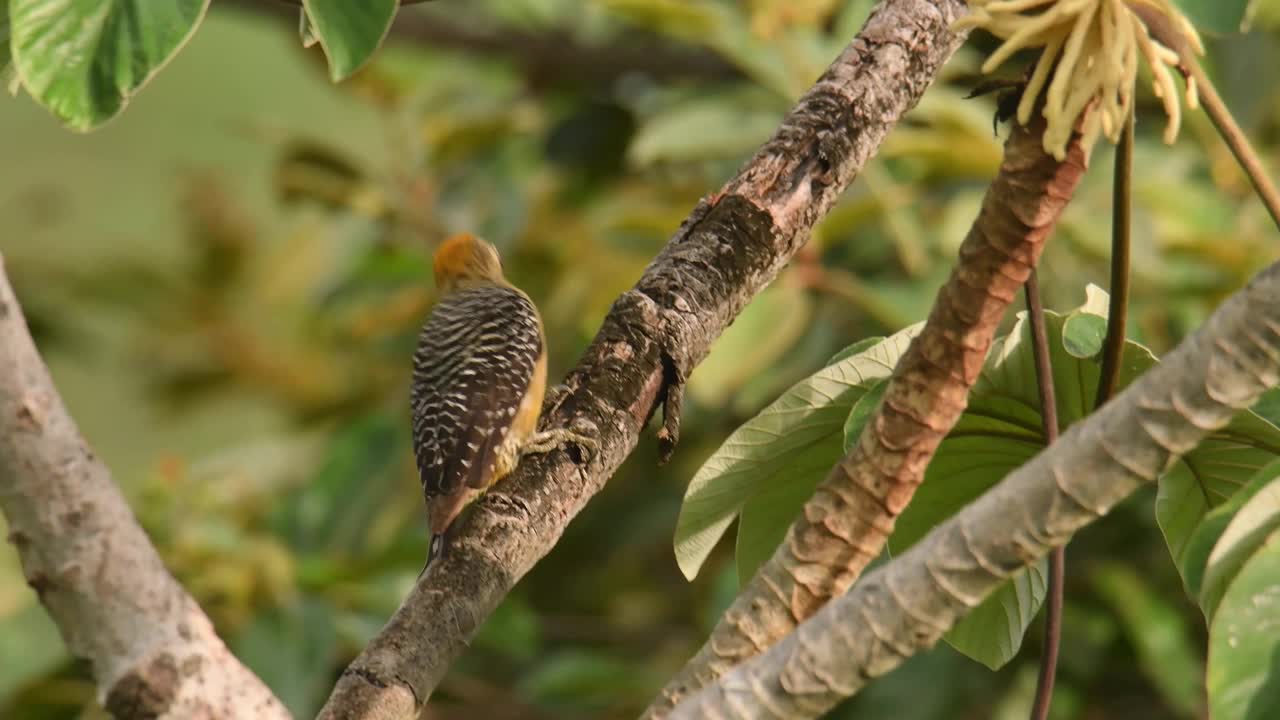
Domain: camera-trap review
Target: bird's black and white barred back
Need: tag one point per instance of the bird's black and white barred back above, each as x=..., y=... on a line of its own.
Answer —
x=474, y=364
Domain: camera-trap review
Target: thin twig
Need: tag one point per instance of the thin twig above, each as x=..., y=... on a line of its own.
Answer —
x=1118, y=308
x=1235, y=138
x=1171, y=36
x=1057, y=558
x=1164, y=30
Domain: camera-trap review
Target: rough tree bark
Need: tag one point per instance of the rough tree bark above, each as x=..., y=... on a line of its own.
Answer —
x=910, y=603
x=154, y=652
x=731, y=246
x=844, y=526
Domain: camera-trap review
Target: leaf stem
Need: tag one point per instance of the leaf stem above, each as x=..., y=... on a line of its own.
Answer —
x=1057, y=559
x=1112, y=351
x=1118, y=308
x=1163, y=29
x=1233, y=135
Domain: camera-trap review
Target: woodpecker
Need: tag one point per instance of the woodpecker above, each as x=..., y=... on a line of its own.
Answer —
x=479, y=376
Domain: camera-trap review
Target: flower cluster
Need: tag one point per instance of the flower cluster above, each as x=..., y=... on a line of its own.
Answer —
x=1090, y=58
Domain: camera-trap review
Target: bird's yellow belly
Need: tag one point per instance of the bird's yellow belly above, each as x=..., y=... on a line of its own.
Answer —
x=526, y=421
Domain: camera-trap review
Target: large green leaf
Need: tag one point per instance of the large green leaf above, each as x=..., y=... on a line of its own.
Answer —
x=1244, y=641
x=1195, y=558
x=706, y=128
x=861, y=346
x=84, y=59
x=766, y=328
x=861, y=412
x=792, y=443
x=1257, y=518
x=765, y=517
x=992, y=632
x=348, y=31
x=1209, y=476
x=1158, y=633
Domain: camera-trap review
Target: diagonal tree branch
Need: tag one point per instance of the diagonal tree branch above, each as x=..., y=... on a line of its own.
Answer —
x=910, y=603
x=844, y=526
x=733, y=244
x=154, y=652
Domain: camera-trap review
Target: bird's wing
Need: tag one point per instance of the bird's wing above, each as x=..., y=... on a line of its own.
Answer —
x=475, y=360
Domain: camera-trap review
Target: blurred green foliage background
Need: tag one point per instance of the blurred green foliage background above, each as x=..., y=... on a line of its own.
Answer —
x=227, y=282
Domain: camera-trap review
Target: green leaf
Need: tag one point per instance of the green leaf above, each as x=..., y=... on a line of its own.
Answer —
x=288, y=648
x=8, y=72
x=1244, y=644
x=6, y=55
x=1268, y=406
x=306, y=31
x=332, y=513
x=992, y=632
x=1083, y=334
x=348, y=31
x=764, y=520
x=1159, y=636
x=791, y=444
x=1196, y=556
x=1209, y=476
x=1219, y=16
x=965, y=467
x=84, y=59
x=767, y=327
x=861, y=346
x=861, y=413
x=727, y=126
x=1257, y=518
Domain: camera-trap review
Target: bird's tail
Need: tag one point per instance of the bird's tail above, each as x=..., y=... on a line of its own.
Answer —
x=437, y=549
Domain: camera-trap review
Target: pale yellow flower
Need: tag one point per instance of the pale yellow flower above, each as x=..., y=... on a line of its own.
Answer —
x=1091, y=51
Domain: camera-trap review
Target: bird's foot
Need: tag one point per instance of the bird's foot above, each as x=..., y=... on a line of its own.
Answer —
x=581, y=433
x=556, y=395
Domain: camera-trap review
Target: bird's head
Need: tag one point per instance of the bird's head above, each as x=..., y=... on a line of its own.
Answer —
x=465, y=260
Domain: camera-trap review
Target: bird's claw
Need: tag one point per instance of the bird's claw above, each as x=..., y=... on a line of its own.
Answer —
x=580, y=433
x=557, y=395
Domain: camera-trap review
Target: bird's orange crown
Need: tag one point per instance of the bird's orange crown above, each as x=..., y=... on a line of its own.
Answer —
x=464, y=260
